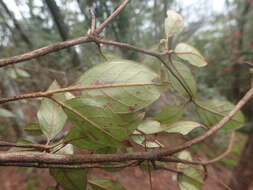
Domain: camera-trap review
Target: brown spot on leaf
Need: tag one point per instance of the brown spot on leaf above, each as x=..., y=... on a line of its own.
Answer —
x=109, y=104
x=156, y=79
x=131, y=108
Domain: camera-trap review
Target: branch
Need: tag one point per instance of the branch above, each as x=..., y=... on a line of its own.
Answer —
x=71, y=89
x=62, y=45
x=47, y=158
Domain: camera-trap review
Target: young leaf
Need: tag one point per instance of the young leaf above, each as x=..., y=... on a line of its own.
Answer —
x=190, y=54
x=183, y=127
x=122, y=99
x=70, y=179
x=170, y=114
x=105, y=184
x=191, y=179
x=173, y=24
x=6, y=113
x=33, y=129
x=51, y=116
x=185, y=76
x=212, y=111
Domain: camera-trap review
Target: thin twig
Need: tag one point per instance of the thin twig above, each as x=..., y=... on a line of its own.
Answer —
x=71, y=89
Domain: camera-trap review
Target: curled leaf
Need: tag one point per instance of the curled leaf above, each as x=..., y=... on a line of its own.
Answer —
x=190, y=54
x=173, y=24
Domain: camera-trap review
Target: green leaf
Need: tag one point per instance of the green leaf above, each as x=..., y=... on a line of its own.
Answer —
x=122, y=99
x=105, y=184
x=191, y=179
x=101, y=125
x=70, y=179
x=212, y=111
x=140, y=140
x=51, y=116
x=51, y=188
x=22, y=73
x=22, y=141
x=33, y=129
x=185, y=76
x=170, y=114
x=174, y=23
x=149, y=127
x=6, y=113
x=190, y=54
x=183, y=127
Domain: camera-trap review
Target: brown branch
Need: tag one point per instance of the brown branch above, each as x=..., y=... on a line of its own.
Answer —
x=62, y=45
x=77, y=166
x=71, y=89
x=47, y=158
x=207, y=162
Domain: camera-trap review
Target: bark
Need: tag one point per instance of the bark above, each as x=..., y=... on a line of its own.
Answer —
x=62, y=28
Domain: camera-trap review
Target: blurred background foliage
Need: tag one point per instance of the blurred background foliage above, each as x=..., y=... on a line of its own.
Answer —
x=221, y=30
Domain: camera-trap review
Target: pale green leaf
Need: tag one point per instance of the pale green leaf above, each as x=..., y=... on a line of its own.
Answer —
x=185, y=75
x=212, y=111
x=51, y=116
x=182, y=127
x=70, y=179
x=173, y=24
x=6, y=113
x=192, y=178
x=190, y=54
x=149, y=127
x=170, y=114
x=105, y=184
x=22, y=73
x=122, y=99
x=67, y=149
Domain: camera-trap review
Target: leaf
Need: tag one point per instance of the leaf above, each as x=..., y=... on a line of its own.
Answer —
x=191, y=179
x=122, y=99
x=33, y=129
x=101, y=125
x=212, y=111
x=70, y=179
x=140, y=140
x=105, y=184
x=149, y=127
x=185, y=76
x=22, y=73
x=11, y=73
x=22, y=141
x=51, y=116
x=190, y=54
x=67, y=149
x=6, y=113
x=173, y=24
x=51, y=188
x=183, y=127
x=170, y=114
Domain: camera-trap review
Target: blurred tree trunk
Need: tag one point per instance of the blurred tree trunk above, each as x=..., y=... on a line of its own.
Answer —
x=62, y=28
x=243, y=173
x=17, y=25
